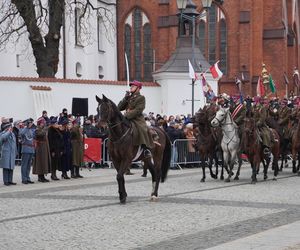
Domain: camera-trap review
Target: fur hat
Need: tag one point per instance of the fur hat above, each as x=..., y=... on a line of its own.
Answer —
x=5, y=124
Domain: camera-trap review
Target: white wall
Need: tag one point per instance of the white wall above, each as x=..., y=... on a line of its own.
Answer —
x=177, y=92
x=17, y=101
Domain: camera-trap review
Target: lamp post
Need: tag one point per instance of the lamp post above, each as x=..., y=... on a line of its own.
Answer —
x=190, y=14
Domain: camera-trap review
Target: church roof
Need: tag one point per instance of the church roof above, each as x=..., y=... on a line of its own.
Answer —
x=178, y=62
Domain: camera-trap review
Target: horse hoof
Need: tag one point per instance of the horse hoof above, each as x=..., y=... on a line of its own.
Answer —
x=274, y=179
x=202, y=180
x=265, y=177
x=123, y=201
x=236, y=178
x=227, y=180
x=222, y=178
x=294, y=170
x=280, y=169
x=144, y=175
x=253, y=181
x=286, y=165
x=154, y=198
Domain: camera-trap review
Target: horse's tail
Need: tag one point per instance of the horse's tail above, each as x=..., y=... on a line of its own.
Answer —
x=165, y=165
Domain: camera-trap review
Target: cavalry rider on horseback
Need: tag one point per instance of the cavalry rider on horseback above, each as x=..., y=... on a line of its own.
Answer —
x=260, y=115
x=134, y=103
x=284, y=114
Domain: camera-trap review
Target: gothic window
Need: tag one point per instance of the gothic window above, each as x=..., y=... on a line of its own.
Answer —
x=147, y=53
x=138, y=46
x=212, y=31
x=137, y=43
x=127, y=47
x=223, y=46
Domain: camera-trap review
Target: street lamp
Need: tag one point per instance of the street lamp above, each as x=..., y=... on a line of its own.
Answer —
x=190, y=14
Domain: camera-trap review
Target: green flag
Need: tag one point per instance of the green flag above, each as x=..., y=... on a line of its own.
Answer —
x=272, y=85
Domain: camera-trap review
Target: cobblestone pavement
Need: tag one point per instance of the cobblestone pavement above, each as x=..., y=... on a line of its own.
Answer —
x=86, y=214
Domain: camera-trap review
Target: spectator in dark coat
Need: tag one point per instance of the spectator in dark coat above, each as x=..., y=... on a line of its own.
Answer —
x=67, y=152
x=56, y=146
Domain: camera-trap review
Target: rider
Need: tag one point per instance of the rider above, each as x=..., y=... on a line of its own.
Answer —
x=134, y=104
x=260, y=115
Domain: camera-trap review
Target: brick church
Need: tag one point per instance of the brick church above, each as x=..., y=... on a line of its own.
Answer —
x=242, y=35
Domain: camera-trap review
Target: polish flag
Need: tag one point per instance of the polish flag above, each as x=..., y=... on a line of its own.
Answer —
x=192, y=71
x=215, y=71
x=260, y=88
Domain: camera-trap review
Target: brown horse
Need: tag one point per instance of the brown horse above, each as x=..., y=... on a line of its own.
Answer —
x=207, y=142
x=251, y=145
x=122, y=150
x=296, y=148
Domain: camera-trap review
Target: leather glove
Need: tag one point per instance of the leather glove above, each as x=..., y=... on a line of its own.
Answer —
x=127, y=95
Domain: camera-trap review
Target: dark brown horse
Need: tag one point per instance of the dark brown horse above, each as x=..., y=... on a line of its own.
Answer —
x=251, y=145
x=122, y=150
x=296, y=148
x=207, y=141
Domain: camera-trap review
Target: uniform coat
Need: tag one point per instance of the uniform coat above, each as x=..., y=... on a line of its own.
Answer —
x=77, y=146
x=8, y=150
x=56, y=146
x=42, y=162
x=134, y=107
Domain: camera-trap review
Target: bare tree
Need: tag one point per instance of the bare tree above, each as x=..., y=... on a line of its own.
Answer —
x=43, y=20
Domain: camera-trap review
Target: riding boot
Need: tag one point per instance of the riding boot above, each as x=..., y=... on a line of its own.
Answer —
x=77, y=172
x=41, y=178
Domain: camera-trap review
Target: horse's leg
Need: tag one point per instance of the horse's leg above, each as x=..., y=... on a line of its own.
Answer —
x=254, y=170
x=121, y=181
x=239, y=167
x=215, y=157
x=226, y=161
x=294, y=153
x=156, y=174
x=202, y=160
x=210, y=164
x=266, y=164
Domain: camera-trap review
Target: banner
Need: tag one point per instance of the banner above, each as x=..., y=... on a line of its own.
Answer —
x=92, y=150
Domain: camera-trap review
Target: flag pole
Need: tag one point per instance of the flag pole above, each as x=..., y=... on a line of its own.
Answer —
x=127, y=69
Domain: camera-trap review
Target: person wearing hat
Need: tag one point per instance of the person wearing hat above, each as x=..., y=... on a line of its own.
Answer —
x=41, y=164
x=8, y=152
x=284, y=113
x=260, y=116
x=27, y=134
x=66, y=159
x=56, y=146
x=134, y=103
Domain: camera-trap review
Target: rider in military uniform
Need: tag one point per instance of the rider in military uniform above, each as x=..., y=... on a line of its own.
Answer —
x=134, y=104
x=284, y=114
x=260, y=115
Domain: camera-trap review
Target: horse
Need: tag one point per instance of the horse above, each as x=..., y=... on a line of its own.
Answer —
x=230, y=142
x=296, y=148
x=251, y=145
x=123, y=151
x=207, y=141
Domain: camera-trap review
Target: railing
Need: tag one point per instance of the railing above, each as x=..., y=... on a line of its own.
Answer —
x=182, y=153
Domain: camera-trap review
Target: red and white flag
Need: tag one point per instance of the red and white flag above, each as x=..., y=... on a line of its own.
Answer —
x=215, y=71
x=260, y=88
x=192, y=71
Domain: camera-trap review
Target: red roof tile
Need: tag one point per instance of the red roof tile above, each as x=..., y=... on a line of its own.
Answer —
x=76, y=81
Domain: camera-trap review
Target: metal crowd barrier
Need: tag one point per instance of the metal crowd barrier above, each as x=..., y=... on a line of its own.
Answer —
x=182, y=153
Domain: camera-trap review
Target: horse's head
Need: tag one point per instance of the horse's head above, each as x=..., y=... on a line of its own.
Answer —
x=104, y=109
x=201, y=117
x=220, y=117
x=249, y=126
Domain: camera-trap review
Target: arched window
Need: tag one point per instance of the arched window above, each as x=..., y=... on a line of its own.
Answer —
x=127, y=46
x=147, y=53
x=138, y=46
x=137, y=17
x=212, y=31
x=223, y=46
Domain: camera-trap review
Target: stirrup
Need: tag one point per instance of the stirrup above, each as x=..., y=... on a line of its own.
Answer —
x=266, y=151
x=147, y=153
